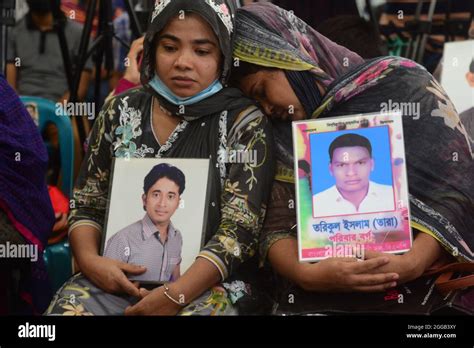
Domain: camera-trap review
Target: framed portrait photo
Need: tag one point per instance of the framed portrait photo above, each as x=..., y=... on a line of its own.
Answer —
x=156, y=215
x=351, y=186
x=457, y=78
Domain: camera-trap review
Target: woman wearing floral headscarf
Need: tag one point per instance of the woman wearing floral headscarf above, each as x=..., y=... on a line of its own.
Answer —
x=183, y=111
x=296, y=73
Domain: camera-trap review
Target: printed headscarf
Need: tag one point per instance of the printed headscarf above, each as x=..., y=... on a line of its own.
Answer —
x=270, y=36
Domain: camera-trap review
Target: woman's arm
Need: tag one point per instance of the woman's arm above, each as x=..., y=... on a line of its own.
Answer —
x=198, y=278
x=177, y=272
x=131, y=77
x=245, y=195
x=85, y=241
x=87, y=214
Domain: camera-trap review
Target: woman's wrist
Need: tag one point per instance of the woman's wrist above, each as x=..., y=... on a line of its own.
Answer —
x=177, y=298
x=424, y=252
x=127, y=78
x=412, y=267
x=172, y=299
x=84, y=241
x=86, y=261
x=305, y=276
x=201, y=276
x=131, y=79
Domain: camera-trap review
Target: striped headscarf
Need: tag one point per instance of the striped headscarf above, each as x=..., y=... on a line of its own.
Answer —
x=270, y=36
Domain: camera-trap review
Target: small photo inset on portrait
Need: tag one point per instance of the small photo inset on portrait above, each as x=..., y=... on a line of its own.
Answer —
x=351, y=172
x=32, y=109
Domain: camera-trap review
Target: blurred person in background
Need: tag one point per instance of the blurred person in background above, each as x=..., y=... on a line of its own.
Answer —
x=34, y=61
x=354, y=33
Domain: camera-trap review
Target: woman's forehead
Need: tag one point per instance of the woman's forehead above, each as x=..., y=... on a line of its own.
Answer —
x=259, y=76
x=190, y=27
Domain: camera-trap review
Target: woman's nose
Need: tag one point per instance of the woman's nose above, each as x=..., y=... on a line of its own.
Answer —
x=183, y=61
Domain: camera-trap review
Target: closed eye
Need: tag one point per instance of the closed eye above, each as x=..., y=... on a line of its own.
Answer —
x=202, y=52
x=168, y=48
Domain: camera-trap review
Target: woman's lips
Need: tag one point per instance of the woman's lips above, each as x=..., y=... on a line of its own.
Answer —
x=183, y=82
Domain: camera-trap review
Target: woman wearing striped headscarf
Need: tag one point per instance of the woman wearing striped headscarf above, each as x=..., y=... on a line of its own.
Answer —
x=296, y=73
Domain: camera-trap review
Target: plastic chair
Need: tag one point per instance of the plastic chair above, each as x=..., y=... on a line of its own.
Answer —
x=57, y=256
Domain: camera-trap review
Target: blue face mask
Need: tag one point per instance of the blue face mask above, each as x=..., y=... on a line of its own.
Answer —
x=166, y=93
